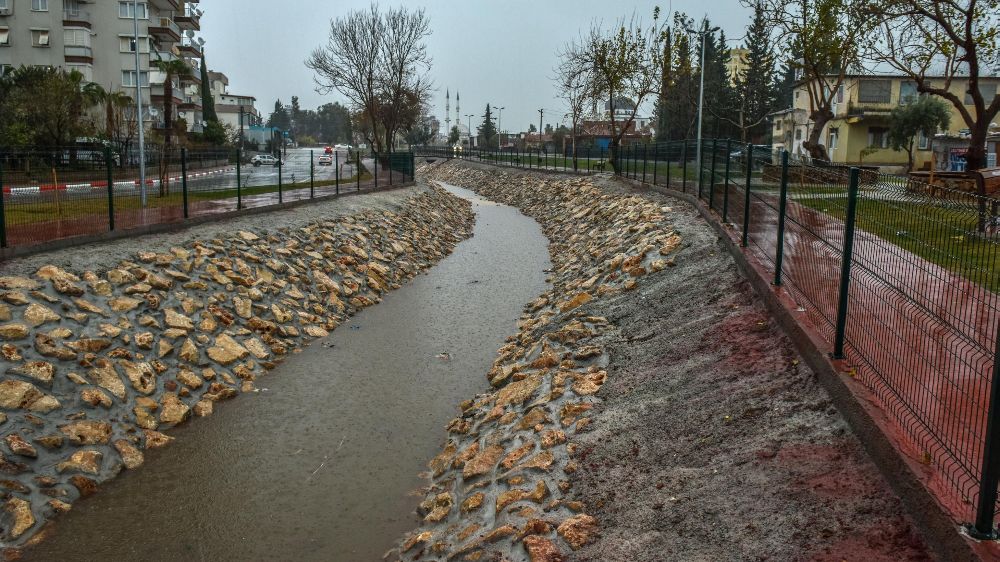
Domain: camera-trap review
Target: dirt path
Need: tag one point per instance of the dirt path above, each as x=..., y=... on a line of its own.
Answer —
x=714, y=441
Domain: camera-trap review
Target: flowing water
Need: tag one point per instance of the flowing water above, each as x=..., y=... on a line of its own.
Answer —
x=321, y=463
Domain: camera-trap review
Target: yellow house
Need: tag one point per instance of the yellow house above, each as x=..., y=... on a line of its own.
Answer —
x=858, y=133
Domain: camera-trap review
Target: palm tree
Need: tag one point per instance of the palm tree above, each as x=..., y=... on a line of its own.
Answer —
x=170, y=68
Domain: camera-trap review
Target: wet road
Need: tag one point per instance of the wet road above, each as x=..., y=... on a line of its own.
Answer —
x=319, y=465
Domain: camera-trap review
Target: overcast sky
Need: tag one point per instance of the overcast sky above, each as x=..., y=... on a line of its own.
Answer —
x=499, y=52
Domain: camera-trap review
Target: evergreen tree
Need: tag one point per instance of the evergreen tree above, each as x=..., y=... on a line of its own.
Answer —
x=487, y=129
x=454, y=135
x=279, y=118
x=666, y=83
x=719, y=96
x=756, y=87
x=681, y=101
x=207, y=102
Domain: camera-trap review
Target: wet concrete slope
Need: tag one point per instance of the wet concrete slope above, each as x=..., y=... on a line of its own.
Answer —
x=321, y=464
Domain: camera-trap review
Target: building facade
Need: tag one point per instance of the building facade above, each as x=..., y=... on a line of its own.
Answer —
x=97, y=39
x=859, y=131
x=231, y=108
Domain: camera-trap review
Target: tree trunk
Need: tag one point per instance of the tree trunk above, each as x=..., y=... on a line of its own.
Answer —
x=817, y=151
x=975, y=158
x=909, y=156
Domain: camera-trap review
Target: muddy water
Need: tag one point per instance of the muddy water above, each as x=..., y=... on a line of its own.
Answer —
x=319, y=465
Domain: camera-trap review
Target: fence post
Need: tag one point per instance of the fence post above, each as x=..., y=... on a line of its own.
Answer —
x=684, y=167
x=656, y=154
x=390, y=169
x=3, y=212
x=746, y=198
x=239, y=181
x=357, y=171
x=111, y=189
x=376, y=168
x=845, y=265
x=725, y=193
x=782, y=211
x=280, y=166
x=312, y=175
x=184, y=180
x=336, y=171
x=711, y=185
x=983, y=528
x=701, y=167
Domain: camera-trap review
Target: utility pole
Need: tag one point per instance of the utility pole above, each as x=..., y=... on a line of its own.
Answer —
x=241, y=127
x=138, y=107
x=701, y=90
x=541, y=113
x=499, y=138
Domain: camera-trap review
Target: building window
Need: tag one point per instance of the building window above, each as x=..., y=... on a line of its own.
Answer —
x=798, y=134
x=127, y=44
x=834, y=135
x=5, y=68
x=907, y=92
x=39, y=5
x=127, y=10
x=989, y=91
x=878, y=137
x=875, y=91
x=777, y=124
x=4, y=37
x=5, y=5
x=923, y=141
x=40, y=37
x=128, y=78
x=840, y=94
x=76, y=37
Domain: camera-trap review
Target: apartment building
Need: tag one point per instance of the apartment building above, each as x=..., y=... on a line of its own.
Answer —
x=228, y=106
x=859, y=131
x=97, y=39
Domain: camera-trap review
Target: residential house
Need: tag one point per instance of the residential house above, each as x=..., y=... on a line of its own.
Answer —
x=858, y=133
x=229, y=107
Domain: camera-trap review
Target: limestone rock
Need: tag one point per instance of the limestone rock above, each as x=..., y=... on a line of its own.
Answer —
x=23, y=519
x=578, y=530
x=226, y=350
x=19, y=446
x=541, y=549
x=14, y=331
x=155, y=439
x=95, y=397
x=483, y=462
x=15, y=395
x=85, y=460
x=132, y=457
x=175, y=319
x=106, y=376
x=41, y=371
x=87, y=432
x=172, y=410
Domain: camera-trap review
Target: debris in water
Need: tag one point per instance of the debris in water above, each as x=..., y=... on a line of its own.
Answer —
x=444, y=356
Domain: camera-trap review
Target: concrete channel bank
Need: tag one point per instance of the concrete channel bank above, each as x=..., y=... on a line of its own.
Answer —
x=647, y=409
x=105, y=350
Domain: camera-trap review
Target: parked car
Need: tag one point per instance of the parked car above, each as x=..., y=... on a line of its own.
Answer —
x=326, y=160
x=264, y=160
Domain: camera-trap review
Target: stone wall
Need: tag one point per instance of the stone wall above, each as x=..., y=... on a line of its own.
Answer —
x=96, y=366
x=500, y=488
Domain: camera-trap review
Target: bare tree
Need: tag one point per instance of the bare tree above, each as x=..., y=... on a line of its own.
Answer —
x=573, y=81
x=938, y=44
x=378, y=60
x=349, y=62
x=827, y=34
x=622, y=63
x=403, y=85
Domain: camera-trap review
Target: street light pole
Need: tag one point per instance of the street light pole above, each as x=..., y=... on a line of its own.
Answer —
x=499, y=117
x=138, y=107
x=469, y=115
x=701, y=90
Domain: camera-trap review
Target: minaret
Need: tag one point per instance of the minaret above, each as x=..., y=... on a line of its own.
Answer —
x=447, y=111
x=458, y=108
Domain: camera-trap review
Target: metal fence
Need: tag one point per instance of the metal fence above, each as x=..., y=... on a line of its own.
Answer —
x=588, y=159
x=50, y=194
x=899, y=277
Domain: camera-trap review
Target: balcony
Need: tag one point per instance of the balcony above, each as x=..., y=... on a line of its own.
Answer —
x=78, y=53
x=189, y=19
x=192, y=50
x=165, y=30
x=157, y=95
x=164, y=55
x=166, y=4
x=881, y=108
x=76, y=18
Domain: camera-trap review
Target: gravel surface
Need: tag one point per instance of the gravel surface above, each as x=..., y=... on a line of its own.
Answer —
x=714, y=441
x=96, y=257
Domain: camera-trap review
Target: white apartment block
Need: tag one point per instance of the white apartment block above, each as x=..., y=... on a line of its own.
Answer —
x=97, y=38
x=229, y=107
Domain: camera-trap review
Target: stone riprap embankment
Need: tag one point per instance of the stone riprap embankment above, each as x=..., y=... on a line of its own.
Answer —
x=500, y=487
x=98, y=364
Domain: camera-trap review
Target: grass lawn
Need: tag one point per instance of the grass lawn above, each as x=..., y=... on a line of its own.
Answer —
x=944, y=236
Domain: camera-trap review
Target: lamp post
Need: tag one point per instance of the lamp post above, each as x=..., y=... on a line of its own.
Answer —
x=469, y=115
x=701, y=90
x=138, y=107
x=499, y=117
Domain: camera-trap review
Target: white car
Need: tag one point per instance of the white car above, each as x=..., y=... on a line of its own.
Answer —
x=264, y=160
x=326, y=160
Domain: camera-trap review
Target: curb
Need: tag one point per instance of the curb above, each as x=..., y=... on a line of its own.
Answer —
x=903, y=474
x=101, y=184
